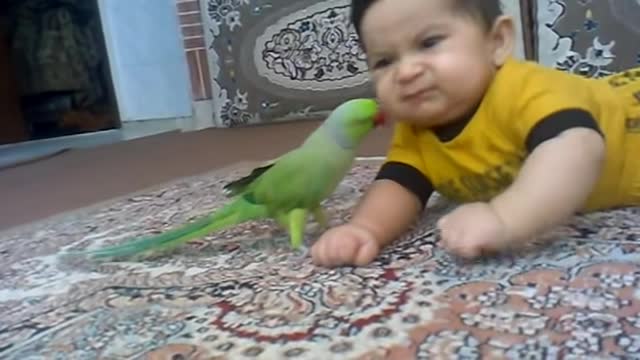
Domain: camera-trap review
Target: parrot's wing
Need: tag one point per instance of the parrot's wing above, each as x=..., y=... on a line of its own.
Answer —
x=238, y=186
x=296, y=185
x=300, y=179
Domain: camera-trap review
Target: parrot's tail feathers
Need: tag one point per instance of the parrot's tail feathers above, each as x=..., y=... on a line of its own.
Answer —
x=237, y=186
x=145, y=244
x=237, y=212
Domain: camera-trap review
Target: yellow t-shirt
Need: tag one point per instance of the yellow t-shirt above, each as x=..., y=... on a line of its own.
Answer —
x=484, y=158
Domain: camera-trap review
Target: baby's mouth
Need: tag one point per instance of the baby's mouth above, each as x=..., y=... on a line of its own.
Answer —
x=417, y=94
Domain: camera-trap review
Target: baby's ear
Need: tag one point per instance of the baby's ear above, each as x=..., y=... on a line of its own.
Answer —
x=502, y=39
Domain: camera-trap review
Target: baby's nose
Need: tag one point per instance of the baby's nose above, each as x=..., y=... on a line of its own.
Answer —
x=408, y=69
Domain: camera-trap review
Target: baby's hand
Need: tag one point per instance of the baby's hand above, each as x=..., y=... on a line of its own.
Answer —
x=473, y=230
x=348, y=244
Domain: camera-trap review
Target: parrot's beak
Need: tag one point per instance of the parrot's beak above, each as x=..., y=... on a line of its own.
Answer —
x=379, y=120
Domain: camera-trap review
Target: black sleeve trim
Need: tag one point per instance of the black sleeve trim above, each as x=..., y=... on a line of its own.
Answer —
x=556, y=123
x=408, y=177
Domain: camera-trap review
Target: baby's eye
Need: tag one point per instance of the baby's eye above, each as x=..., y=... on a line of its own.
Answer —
x=431, y=41
x=379, y=64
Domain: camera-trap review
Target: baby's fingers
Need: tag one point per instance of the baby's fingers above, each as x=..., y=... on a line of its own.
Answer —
x=447, y=234
x=467, y=251
x=367, y=251
x=453, y=239
x=334, y=251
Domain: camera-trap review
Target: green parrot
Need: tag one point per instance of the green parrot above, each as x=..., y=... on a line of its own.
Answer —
x=287, y=189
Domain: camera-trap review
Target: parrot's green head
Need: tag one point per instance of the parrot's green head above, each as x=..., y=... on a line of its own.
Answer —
x=354, y=119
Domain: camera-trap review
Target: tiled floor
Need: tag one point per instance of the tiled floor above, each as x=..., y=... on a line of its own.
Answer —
x=13, y=153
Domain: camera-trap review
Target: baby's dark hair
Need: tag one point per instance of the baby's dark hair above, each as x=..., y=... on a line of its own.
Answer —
x=485, y=11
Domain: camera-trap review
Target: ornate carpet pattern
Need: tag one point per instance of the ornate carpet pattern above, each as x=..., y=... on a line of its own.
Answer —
x=242, y=294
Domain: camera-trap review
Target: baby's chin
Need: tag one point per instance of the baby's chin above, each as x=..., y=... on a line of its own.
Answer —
x=421, y=120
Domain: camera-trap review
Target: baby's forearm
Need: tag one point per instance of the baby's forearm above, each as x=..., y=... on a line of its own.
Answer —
x=387, y=210
x=554, y=183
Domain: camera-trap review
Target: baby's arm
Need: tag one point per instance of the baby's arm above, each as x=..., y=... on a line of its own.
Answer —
x=390, y=206
x=386, y=211
x=383, y=214
x=566, y=152
x=555, y=181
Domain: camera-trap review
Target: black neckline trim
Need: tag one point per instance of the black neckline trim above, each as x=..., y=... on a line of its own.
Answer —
x=449, y=132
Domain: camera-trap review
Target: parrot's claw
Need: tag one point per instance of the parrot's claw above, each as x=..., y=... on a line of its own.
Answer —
x=321, y=218
x=300, y=253
x=297, y=221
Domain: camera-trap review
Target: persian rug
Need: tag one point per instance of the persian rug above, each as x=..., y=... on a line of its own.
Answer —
x=243, y=294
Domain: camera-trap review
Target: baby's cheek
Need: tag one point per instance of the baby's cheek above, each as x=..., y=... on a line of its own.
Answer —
x=381, y=89
x=385, y=99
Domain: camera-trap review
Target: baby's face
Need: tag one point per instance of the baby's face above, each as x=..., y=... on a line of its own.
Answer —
x=430, y=65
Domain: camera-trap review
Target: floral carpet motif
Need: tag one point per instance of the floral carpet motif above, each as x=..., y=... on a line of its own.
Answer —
x=243, y=294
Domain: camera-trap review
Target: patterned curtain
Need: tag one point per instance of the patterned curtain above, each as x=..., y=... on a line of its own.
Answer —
x=588, y=37
x=275, y=60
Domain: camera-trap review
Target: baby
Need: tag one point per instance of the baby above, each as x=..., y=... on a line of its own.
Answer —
x=522, y=147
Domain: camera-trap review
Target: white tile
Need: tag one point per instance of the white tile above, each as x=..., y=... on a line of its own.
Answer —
x=137, y=129
x=155, y=92
x=202, y=115
x=15, y=153
x=148, y=63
